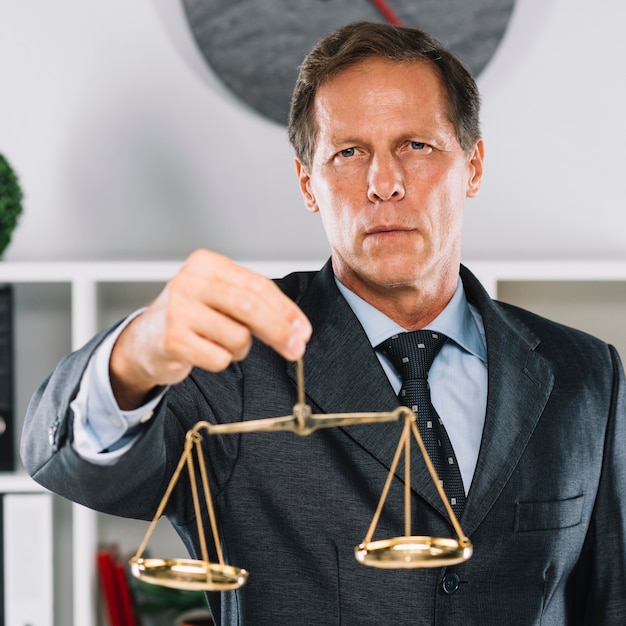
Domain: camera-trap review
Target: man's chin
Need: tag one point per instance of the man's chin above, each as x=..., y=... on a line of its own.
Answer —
x=390, y=279
x=394, y=272
x=382, y=271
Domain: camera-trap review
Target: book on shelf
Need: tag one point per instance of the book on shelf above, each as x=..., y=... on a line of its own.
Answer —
x=114, y=585
x=27, y=566
x=7, y=417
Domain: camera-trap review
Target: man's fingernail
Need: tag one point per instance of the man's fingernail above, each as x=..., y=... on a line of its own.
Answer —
x=301, y=328
x=295, y=346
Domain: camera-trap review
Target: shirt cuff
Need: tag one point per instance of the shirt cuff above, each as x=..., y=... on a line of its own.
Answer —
x=102, y=431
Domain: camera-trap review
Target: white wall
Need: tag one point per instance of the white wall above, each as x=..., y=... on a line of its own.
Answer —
x=128, y=148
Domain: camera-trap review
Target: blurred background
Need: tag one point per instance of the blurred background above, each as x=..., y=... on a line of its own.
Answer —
x=128, y=147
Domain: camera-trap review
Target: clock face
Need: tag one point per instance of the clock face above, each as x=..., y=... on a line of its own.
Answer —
x=256, y=46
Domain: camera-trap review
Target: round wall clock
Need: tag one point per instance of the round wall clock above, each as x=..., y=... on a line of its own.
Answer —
x=256, y=46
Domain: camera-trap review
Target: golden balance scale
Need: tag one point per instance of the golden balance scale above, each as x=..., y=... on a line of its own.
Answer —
x=404, y=552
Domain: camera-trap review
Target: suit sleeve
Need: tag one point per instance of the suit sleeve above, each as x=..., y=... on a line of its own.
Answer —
x=128, y=488
x=606, y=542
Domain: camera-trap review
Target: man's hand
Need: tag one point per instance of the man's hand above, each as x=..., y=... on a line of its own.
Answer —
x=206, y=316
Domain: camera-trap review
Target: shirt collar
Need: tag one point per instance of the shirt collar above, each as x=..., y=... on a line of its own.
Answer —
x=457, y=321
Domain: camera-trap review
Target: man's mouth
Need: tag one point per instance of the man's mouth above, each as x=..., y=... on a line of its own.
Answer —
x=388, y=229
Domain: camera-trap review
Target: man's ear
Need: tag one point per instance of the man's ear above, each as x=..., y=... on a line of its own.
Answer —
x=304, y=179
x=476, y=169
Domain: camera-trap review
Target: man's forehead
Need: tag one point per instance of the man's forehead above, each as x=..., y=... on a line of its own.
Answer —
x=362, y=66
x=380, y=87
x=379, y=73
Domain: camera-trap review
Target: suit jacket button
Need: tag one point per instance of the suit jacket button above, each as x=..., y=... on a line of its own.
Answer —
x=450, y=583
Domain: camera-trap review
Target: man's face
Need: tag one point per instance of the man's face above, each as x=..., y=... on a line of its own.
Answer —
x=389, y=176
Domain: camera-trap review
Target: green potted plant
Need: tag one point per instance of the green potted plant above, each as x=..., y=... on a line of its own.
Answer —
x=10, y=203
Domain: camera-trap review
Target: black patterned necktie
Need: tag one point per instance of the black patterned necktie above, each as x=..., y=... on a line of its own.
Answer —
x=412, y=354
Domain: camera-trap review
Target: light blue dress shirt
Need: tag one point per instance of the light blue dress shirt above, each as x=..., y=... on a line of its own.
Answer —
x=457, y=377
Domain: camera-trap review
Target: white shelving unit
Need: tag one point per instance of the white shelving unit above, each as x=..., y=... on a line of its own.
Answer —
x=60, y=305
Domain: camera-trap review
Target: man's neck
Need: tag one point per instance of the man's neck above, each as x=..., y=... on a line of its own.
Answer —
x=410, y=306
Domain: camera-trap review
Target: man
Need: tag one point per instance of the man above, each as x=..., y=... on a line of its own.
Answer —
x=384, y=123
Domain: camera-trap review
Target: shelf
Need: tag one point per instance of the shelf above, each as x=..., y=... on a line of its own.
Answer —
x=18, y=482
x=490, y=273
x=124, y=271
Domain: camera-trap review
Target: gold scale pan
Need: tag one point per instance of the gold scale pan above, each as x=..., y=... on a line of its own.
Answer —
x=405, y=552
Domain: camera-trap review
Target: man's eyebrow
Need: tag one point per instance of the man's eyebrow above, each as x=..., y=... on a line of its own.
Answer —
x=410, y=135
x=341, y=139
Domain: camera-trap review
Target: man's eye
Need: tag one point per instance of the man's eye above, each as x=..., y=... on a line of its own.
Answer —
x=418, y=145
x=348, y=152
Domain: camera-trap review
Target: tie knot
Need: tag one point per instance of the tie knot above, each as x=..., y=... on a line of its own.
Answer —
x=412, y=353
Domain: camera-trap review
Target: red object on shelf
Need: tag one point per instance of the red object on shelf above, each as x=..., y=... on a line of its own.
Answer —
x=115, y=590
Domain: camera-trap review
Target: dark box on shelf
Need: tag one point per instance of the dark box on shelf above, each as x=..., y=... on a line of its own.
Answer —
x=7, y=417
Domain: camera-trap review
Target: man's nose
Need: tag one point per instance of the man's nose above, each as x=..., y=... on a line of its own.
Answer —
x=386, y=180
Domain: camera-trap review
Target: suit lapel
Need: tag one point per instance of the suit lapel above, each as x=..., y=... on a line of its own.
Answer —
x=520, y=383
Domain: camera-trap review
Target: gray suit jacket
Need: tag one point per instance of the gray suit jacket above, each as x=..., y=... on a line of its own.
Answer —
x=545, y=511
